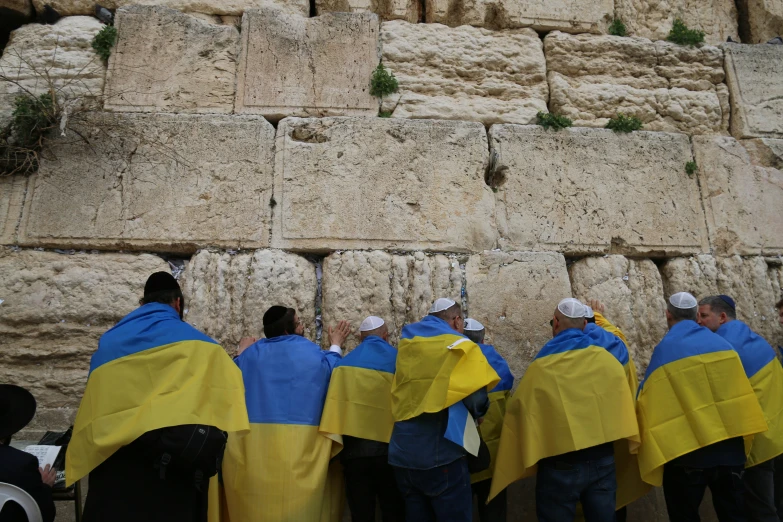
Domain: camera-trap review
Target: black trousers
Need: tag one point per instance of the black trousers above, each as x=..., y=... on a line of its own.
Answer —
x=779, y=485
x=495, y=511
x=368, y=478
x=684, y=487
x=760, y=492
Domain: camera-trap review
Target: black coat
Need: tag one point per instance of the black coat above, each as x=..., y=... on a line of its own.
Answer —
x=21, y=469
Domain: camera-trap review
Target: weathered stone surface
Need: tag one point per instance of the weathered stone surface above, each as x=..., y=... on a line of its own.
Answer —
x=155, y=182
x=754, y=74
x=62, y=52
x=55, y=307
x=669, y=87
x=294, y=66
x=12, y=192
x=632, y=292
x=581, y=191
x=751, y=282
x=22, y=8
x=653, y=20
x=579, y=16
x=227, y=294
x=465, y=73
x=514, y=295
x=408, y=10
x=742, y=189
x=764, y=19
x=214, y=7
x=396, y=184
x=194, y=65
x=400, y=288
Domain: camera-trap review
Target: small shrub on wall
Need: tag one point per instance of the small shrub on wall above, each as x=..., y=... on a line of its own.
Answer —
x=680, y=34
x=617, y=28
x=623, y=123
x=549, y=120
x=104, y=41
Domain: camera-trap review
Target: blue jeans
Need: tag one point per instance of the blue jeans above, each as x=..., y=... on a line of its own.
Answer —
x=439, y=494
x=561, y=484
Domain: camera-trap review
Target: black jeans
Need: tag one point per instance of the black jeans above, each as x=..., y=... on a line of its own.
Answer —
x=684, y=487
x=760, y=492
x=368, y=478
x=495, y=511
x=779, y=485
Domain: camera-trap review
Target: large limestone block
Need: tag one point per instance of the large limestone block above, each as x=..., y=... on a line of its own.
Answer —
x=754, y=74
x=654, y=19
x=750, y=281
x=632, y=291
x=165, y=182
x=39, y=57
x=210, y=7
x=577, y=16
x=400, y=288
x=465, y=73
x=742, y=189
x=356, y=183
x=408, y=10
x=514, y=295
x=54, y=309
x=764, y=19
x=12, y=192
x=669, y=87
x=194, y=65
x=581, y=191
x=294, y=66
x=228, y=293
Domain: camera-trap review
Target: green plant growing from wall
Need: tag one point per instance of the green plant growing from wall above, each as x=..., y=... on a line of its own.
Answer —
x=104, y=41
x=680, y=34
x=32, y=118
x=383, y=83
x=691, y=168
x=549, y=120
x=623, y=123
x=617, y=28
x=384, y=114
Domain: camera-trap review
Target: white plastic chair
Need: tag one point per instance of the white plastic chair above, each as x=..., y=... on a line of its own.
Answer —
x=21, y=497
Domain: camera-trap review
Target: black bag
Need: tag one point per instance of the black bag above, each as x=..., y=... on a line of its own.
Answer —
x=481, y=461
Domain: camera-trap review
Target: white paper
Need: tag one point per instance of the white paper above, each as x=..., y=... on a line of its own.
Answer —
x=44, y=454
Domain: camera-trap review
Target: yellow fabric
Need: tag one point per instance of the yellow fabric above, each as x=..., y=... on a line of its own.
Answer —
x=604, y=323
x=430, y=378
x=490, y=428
x=334, y=497
x=691, y=403
x=767, y=383
x=188, y=382
x=279, y=473
x=358, y=404
x=565, y=402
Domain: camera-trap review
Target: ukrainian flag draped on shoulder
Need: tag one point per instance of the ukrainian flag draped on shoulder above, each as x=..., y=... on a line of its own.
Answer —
x=151, y=371
x=280, y=471
x=358, y=403
x=694, y=393
x=493, y=420
x=437, y=368
x=573, y=396
x=766, y=377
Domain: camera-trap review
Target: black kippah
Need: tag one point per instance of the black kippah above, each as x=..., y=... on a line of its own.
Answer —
x=274, y=314
x=160, y=282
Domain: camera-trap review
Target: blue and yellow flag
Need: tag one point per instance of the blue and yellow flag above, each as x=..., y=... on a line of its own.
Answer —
x=151, y=371
x=573, y=396
x=437, y=368
x=766, y=377
x=280, y=471
x=493, y=420
x=358, y=403
x=694, y=393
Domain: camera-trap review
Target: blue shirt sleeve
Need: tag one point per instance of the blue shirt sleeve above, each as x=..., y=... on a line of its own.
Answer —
x=477, y=403
x=332, y=358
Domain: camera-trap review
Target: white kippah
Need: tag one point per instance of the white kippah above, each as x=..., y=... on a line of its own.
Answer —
x=371, y=323
x=441, y=304
x=683, y=300
x=571, y=308
x=589, y=312
x=471, y=325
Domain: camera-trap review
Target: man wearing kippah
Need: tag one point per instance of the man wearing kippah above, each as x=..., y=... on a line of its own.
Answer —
x=695, y=405
x=718, y=313
x=571, y=406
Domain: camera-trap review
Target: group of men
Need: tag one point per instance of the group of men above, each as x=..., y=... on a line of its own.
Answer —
x=170, y=428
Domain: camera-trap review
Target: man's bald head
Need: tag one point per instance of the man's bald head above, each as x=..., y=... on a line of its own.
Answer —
x=565, y=322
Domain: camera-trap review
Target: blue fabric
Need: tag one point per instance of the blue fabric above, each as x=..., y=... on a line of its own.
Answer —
x=567, y=340
x=441, y=494
x=286, y=379
x=500, y=366
x=607, y=340
x=373, y=354
x=754, y=352
x=561, y=485
x=148, y=326
x=430, y=326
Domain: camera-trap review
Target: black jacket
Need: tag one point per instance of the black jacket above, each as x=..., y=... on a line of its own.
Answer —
x=21, y=469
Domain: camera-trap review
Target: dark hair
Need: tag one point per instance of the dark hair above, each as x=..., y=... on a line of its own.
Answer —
x=718, y=305
x=449, y=313
x=590, y=319
x=683, y=314
x=284, y=325
x=477, y=336
x=779, y=304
